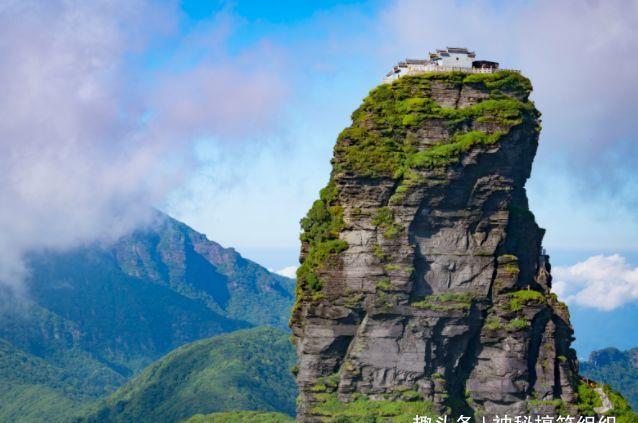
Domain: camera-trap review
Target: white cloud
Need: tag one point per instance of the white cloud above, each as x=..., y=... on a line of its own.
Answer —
x=601, y=282
x=89, y=137
x=289, y=272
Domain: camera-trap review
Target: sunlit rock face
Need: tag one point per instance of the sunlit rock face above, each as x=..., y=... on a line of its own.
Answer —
x=423, y=285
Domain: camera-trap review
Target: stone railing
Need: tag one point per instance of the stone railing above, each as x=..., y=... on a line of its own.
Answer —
x=420, y=70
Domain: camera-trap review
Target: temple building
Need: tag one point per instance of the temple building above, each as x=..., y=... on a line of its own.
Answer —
x=450, y=59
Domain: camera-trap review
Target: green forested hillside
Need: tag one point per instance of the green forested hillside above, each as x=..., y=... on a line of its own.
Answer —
x=241, y=417
x=95, y=316
x=32, y=389
x=244, y=370
x=617, y=368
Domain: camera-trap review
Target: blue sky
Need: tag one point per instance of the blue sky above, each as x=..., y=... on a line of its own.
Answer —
x=324, y=91
x=276, y=186
x=224, y=114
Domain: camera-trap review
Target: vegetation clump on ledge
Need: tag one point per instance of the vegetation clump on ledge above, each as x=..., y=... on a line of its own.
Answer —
x=446, y=302
x=449, y=152
x=321, y=229
x=384, y=219
x=524, y=296
x=384, y=285
x=517, y=324
x=494, y=322
x=509, y=81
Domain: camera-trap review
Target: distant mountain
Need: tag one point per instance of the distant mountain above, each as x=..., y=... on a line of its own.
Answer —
x=244, y=370
x=97, y=315
x=616, y=368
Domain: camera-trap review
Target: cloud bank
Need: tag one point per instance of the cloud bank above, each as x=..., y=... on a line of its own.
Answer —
x=288, y=271
x=600, y=282
x=87, y=140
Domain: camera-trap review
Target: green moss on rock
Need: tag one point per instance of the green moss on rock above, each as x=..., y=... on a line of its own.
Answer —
x=384, y=285
x=391, y=267
x=378, y=253
x=493, y=323
x=517, y=324
x=505, y=81
x=379, y=142
x=449, y=301
x=384, y=220
x=321, y=228
x=449, y=152
x=519, y=298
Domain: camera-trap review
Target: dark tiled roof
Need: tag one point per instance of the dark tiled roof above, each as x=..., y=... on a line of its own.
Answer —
x=457, y=50
x=448, y=50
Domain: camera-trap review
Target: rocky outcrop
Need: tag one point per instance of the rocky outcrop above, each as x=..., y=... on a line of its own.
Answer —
x=423, y=283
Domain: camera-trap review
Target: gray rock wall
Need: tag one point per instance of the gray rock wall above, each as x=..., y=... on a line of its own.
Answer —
x=454, y=302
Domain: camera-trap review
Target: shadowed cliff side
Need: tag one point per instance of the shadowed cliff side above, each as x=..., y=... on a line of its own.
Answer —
x=423, y=285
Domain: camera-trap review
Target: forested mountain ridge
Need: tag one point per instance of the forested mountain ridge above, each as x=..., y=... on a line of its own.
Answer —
x=243, y=370
x=96, y=315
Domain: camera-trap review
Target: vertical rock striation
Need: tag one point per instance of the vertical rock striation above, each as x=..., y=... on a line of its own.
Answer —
x=423, y=285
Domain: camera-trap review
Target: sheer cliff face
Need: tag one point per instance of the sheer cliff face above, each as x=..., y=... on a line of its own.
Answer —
x=423, y=283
